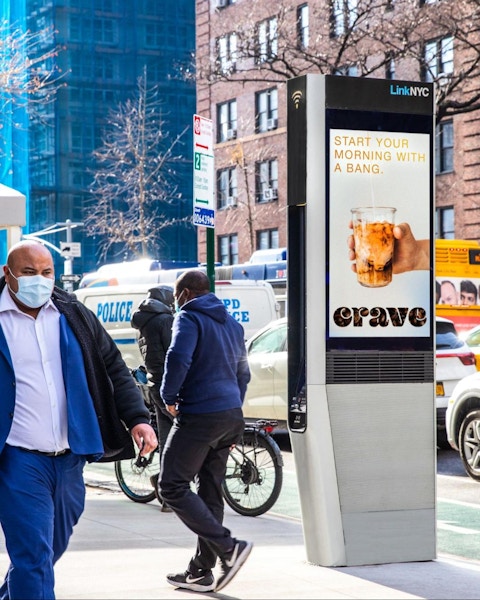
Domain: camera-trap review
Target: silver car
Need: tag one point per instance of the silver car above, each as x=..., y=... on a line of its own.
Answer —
x=454, y=360
x=463, y=423
x=266, y=396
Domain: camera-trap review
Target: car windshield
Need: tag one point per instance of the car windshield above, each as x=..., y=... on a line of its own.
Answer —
x=274, y=340
x=473, y=339
x=446, y=337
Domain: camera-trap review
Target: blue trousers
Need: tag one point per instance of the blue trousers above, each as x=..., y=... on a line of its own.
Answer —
x=41, y=499
x=197, y=450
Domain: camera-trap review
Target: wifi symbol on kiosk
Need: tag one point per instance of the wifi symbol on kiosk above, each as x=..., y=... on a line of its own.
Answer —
x=296, y=97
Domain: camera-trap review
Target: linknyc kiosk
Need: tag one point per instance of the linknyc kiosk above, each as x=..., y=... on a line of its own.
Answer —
x=361, y=317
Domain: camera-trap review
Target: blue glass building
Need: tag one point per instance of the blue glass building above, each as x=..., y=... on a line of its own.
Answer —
x=105, y=46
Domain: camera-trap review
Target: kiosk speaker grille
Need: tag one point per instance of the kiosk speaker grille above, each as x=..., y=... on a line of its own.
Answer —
x=379, y=367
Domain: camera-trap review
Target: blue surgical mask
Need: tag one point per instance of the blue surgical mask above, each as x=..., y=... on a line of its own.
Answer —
x=177, y=305
x=33, y=290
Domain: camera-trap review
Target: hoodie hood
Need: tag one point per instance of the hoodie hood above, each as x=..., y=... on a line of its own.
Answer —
x=159, y=300
x=208, y=305
x=163, y=293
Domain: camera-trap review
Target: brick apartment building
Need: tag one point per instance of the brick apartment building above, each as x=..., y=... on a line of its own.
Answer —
x=240, y=43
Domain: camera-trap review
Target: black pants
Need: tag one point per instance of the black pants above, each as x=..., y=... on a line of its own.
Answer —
x=197, y=450
x=163, y=417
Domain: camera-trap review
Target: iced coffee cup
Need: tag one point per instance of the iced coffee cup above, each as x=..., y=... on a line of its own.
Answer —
x=373, y=235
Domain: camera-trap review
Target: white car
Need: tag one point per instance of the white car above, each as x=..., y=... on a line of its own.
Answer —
x=266, y=396
x=454, y=360
x=472, y=338
x=463, y=423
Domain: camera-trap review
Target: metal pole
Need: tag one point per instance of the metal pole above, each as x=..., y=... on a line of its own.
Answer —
x=67, y=265
x=211, y=257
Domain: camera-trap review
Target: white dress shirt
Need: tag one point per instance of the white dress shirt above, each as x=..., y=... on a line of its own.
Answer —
x=40, y=416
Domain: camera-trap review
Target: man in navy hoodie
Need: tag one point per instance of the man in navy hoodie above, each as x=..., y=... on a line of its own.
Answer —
x=203, y=387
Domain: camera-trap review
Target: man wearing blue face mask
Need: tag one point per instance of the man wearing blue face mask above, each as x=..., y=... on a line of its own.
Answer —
x=203, y=388
x=66, y=393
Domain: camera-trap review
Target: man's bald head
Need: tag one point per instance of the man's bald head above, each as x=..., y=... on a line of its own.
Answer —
x=28, y=250
x=25, y=260
x=195, y=280
x=191, y=284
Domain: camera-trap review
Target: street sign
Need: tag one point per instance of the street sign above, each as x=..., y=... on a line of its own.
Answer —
x=203, y=172
x=70, y=278
x=71, y=249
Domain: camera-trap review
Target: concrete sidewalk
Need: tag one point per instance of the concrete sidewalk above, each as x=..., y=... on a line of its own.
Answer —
x=124, y=550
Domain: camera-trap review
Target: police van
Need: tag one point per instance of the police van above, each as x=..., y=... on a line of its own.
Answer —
x=251, y=303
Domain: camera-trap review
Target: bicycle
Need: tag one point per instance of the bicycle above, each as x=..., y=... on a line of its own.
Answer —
x=254, y=475
x=253, y=479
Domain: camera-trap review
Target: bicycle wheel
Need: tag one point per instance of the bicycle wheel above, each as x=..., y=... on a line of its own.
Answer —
x=254, y=475
x=133, y=476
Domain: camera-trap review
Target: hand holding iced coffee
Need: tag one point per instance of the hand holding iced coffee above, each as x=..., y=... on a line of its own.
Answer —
x=374, y=241
x=409, y=253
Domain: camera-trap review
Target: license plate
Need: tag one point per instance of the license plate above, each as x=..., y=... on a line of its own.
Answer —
x=440, y=390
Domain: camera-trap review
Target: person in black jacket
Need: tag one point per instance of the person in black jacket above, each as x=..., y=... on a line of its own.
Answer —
x=67, y=398
x=153, y=319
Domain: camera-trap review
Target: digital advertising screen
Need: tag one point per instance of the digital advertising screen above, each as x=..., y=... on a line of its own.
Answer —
x=379, y=213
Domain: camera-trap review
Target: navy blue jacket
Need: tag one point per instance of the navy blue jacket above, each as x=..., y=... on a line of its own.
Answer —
x=117, y=402
x=206, y=368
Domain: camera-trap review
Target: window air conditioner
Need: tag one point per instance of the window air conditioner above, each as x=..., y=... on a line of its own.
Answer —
x=443, y=79
x=270, y=194
x=231, y=201
x=231, y=134
x=272, y=123
x=221, y=3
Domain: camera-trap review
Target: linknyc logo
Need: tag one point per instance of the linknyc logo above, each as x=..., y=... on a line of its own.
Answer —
x=409, y=90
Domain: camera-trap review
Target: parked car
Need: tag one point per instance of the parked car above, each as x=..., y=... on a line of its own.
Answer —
x=463, y=423
x=454, y=360
x=472, y=339
x=266, y=396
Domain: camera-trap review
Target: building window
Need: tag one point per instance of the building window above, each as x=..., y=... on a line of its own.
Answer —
x=104, y=68
x=348, y=70
x=155, y=34
x=150, y=8
x=389, y=66
x=228, y=249
x=104, y=31
x=267, y=238
x=266, y=110
x=438, y=58
x=302, y=26
x=227, y=121
x=444, y=147
x=344, y=14
x=445, y=223
x=223, y=3
x=266, y=181
x=75, y=24
x=227, y=52
x=227, y=191
x=82, y=136
x=267, y=40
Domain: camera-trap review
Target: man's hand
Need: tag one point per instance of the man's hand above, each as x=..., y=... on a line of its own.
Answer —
x=172, y=409
x=145, y=438
x=409, y=254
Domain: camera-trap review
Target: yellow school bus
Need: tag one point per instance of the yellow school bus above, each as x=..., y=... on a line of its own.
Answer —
x=457, y=274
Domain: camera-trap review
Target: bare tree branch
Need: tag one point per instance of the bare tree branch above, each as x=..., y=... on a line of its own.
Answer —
x=135, y=179
x=28, y=74
x=370, y=38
